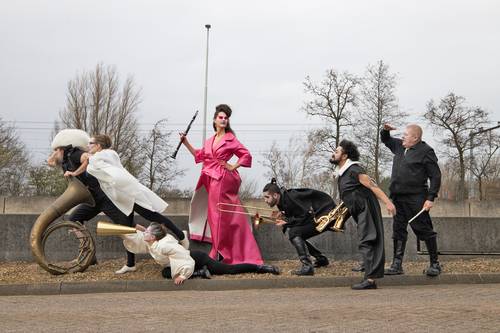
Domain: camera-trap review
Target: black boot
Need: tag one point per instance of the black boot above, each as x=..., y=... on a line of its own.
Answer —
x=434, y=267
x=262, y=269
x=397, y=261
x=203, y=273
x=321, y=261
x=307, y=266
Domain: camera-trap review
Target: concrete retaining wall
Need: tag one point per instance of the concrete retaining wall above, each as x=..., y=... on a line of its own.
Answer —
x=180, y=206
x=466, y=234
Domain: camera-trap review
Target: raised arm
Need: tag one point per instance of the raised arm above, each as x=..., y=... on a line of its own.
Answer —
x=388, y=140
x=188, y=145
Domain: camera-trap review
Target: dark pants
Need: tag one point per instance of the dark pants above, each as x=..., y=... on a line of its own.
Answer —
x=365, y=210
x=84, y=212
x=305, y=232
x=157, y=217
x=407, y=206
x=215, y=267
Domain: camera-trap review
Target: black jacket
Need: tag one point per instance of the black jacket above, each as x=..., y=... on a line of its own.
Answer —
x=411, y=171
x=300, y=206
x=71, y=162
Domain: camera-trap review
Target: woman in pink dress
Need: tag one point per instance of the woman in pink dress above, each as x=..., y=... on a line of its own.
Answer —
x=230, y=234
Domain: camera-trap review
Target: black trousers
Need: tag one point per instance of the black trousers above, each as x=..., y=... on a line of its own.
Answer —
x=84, y=212
x=407, y=206
x=157, y=217
x=305, y=232
x=365, y=210
x=215, y=267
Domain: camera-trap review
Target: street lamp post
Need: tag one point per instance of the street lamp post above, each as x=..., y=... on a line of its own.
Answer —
x=208, y=26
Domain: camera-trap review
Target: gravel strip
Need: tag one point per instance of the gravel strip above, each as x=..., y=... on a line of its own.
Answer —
x=29, y=273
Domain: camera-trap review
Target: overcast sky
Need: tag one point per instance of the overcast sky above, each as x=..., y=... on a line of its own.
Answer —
x=260, y=52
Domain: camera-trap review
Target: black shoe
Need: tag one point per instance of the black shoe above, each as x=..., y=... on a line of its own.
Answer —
x=321, y=262
x=262, y=269
x=203, y=273
x=433, y=270
x=359, y=268
x=365, y=284
x=304, y=270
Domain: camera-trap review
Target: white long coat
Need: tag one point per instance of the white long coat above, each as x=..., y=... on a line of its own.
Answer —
x=123, y=189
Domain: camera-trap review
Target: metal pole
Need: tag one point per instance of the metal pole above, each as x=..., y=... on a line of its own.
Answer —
x=471, y=156
x=208, y=26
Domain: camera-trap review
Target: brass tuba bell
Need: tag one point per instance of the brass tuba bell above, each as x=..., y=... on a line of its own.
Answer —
x=338, y=216
x=76, y=193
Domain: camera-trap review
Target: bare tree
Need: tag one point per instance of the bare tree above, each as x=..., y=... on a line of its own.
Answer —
x=96, y=104
x=159, y=169
x=248, y=189
x=454, y=121
x=332, y=100
x=300, y=165
x=291, y=167
x=485, y=161
x=449, y=179
x=13, y=161
x=379, y=105
x=45, y=180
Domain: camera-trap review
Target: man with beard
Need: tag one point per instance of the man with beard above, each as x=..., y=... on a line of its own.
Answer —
x=298, y=208
x=359, y=193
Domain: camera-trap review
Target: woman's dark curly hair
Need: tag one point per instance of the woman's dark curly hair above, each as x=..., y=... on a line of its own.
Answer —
x=350, y=149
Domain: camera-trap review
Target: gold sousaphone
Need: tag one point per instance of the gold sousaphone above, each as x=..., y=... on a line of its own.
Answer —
x=76, y=193
x=334, y=220
x=257, y=217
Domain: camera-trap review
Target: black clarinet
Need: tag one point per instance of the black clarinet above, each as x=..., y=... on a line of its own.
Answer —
x=174, y=155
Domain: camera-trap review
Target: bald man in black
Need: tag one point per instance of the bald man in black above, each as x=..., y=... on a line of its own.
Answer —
x=415, y=183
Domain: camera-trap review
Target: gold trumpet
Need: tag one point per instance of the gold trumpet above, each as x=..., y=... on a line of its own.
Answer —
x=257, y=218
x=111, y=229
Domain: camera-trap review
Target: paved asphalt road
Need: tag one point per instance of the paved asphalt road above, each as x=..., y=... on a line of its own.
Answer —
x=440, y=308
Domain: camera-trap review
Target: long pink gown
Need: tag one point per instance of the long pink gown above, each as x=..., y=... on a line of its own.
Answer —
x=230, y=234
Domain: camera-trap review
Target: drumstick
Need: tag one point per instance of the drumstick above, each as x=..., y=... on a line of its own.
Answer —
x=418, y=214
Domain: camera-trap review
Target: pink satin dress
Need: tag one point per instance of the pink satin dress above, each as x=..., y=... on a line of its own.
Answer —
x=230, y=233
